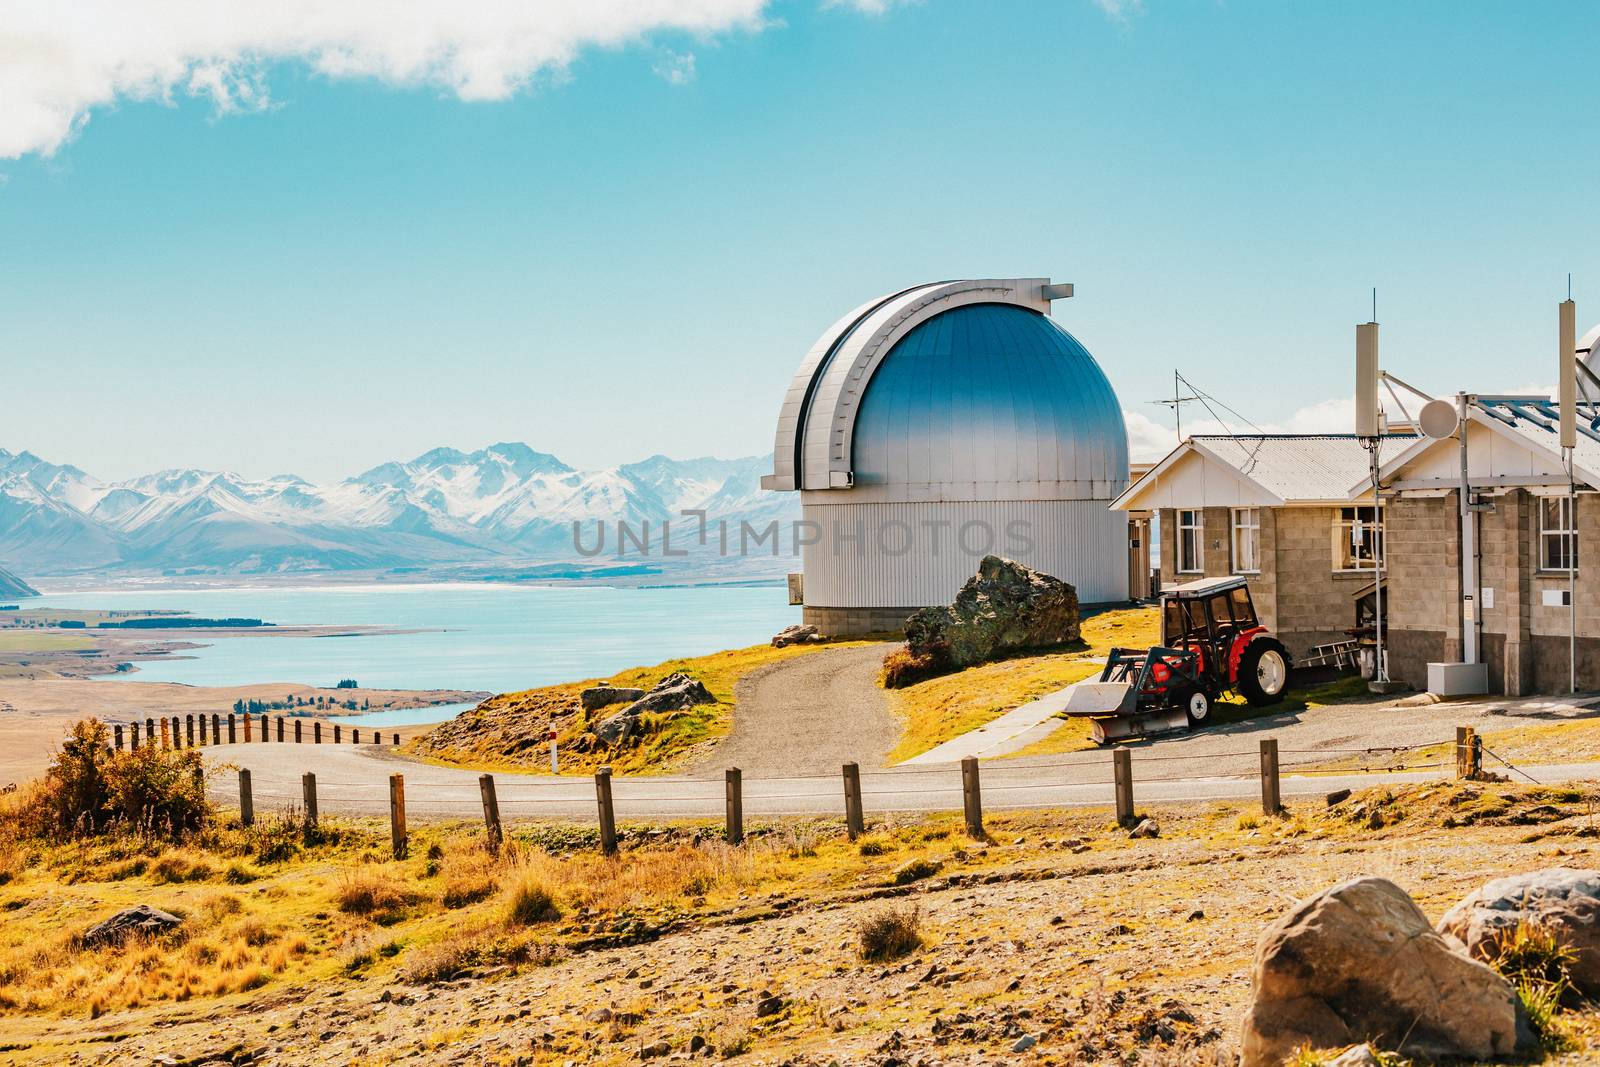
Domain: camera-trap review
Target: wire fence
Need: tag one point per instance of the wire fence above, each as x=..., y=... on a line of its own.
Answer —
x=966, y=793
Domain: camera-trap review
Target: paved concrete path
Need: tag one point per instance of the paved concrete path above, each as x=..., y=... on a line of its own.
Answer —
x=1015, y=730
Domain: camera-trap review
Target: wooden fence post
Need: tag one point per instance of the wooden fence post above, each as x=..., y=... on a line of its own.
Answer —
x=297, y=724
x=316, y=733
x=397, y=815
x=1477, y=755
x=1464, y=739
x=971, y=798
x=735, y=805
x=188, y=729
x=336, y=733
x=854, y=823
x=608, y=818
x=246, y=718
x=133, y=733
x=233, y=733
x=247, y=808
x=491, y=811
x=216, y=729
x=1122, y=777
x=308, y=790
x=396, y=739
x=264, y=737
x=355, y=735
x=150, y=735
x=280, y=729
x=1269, y=776
x=166, y=736
x=202, y=718
x=177, y=732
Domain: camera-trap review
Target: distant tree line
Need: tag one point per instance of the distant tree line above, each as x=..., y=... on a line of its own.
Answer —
x=294, y=703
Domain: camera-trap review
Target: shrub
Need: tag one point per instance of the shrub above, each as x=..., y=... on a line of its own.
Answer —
x=903, y=667
x=890, y=933
x=89, y=790
x=1534, y=953
x=375, y=895
x=915, y=871
x=1542, y=1002
x=531, y=903
x=468, y=887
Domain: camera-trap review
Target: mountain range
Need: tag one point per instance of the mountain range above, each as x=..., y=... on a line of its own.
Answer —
x=505, y=502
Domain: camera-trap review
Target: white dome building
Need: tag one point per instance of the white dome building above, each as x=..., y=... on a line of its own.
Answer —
x=942, y=423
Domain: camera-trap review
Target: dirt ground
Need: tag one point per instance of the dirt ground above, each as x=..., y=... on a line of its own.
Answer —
x=1103, y=949
x=36, y=713
x=809, y=715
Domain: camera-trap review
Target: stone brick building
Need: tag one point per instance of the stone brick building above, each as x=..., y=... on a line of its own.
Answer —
x=1278, y=509
x=1294, y=513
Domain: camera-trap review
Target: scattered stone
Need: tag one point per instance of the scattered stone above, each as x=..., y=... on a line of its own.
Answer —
x=599, y=1015
x=1146, y=828
x=697, y=1044
x=603, y=696
x=769, y=1005
x=139, y=919
x=675, y=692
x=1024, y=1043
x=1338, y=796
x=1006, y=606
x=650, y=1052
x=1359, y=960
x=1195, y=916
x=1360, y=1056
x=797, y=635
x=1562, y=900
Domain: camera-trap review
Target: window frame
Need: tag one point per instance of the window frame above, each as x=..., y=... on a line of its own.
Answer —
x=1346, y=560
x=1253, y=528
x=1565, y=530
x=1185, y=565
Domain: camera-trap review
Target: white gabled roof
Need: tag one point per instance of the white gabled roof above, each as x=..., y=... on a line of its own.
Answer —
x=1529, y=426
x=1267, y=470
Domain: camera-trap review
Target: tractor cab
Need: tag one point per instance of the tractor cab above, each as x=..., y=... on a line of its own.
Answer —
x=1208, y=611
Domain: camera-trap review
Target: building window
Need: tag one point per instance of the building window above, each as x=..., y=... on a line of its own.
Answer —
x=1558, y=536
x=1247, y=540
x=1357, y=539
x=1190, y=529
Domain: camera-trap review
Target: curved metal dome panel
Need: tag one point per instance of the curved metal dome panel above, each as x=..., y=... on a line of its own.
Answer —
x=989, y=402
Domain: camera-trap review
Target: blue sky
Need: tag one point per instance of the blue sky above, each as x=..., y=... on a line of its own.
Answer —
x=629, y=250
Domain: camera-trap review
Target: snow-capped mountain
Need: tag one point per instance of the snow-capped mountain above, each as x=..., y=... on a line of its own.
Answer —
x=503, y=502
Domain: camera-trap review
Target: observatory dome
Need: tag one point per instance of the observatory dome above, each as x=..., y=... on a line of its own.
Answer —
x=940, y=424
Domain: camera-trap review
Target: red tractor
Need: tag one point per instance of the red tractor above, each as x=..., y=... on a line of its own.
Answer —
x=1211, y=643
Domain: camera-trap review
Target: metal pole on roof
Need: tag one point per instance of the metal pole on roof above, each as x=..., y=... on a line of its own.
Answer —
x=1469, y=547
x=1567, y=394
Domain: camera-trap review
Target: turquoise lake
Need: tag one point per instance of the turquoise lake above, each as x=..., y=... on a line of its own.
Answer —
x=490, y=637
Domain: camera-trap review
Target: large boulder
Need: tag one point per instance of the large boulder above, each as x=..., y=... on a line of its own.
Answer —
x=1563, y=900
x=603, y=696
x=140, y=919
x=1360, y=962
x=673, y=693
x=1005, y=607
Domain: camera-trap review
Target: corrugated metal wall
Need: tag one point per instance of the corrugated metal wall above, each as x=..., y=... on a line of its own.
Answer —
x=911, y=554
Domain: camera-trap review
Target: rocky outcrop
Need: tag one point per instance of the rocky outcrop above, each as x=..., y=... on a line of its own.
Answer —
x=797, y=635
x=12, y=587
x=140, y=919
x=1360, y=962
x=1562, y=900
x=603, y=696
x=673, y=693
x=1005, y=607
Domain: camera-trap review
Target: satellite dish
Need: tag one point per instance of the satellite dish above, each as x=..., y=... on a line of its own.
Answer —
x=1437, y=419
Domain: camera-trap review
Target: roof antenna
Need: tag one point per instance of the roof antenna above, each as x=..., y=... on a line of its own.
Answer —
x=1375, y=302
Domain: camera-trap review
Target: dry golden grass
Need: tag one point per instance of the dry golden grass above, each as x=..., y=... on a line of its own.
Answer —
x=936, y=710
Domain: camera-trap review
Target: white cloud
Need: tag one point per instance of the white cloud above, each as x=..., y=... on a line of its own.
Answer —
x=1148, y=440
x=60, y=60
x=1120, y=10
x=675, y=68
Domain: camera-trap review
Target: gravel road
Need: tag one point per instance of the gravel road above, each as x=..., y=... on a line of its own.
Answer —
x=808, y=715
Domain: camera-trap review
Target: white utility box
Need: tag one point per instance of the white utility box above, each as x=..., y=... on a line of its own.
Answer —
x=1458, y=679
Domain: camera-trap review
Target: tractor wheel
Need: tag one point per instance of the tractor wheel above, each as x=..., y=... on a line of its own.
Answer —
x=1263, y=671
x=1197, y=705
